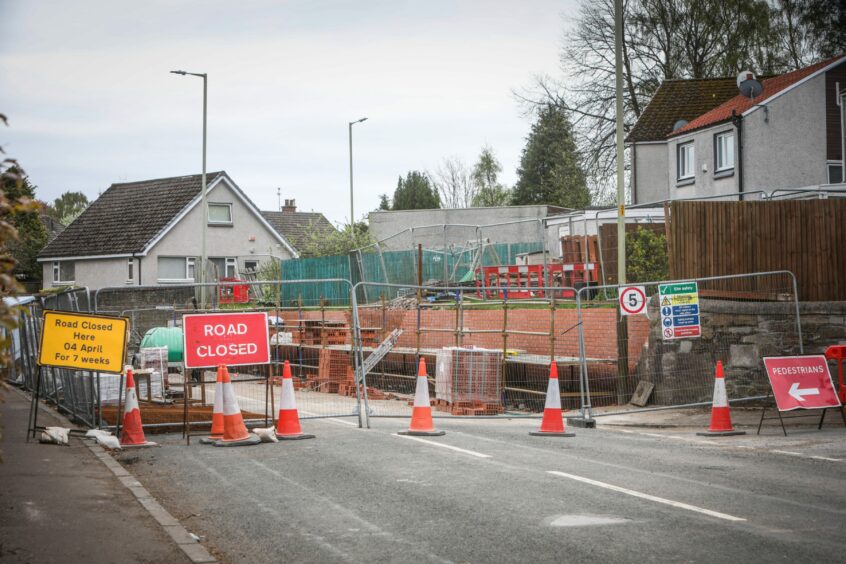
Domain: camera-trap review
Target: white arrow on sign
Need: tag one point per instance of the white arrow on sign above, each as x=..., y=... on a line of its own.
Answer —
x=800, y=394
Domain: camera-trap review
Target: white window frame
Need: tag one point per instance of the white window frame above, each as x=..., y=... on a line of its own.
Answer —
x=233, y=263
x=221, y=204
x=717, y=146
x=130, y=270
x=57, y=273
x=190, y=264
x=689, y=174
x=836, y=164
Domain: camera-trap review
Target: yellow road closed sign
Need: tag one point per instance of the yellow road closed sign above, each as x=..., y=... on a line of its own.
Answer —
x=83, y=341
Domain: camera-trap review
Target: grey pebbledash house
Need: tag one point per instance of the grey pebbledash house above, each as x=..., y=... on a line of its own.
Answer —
x=700, y=138
x=149, y=232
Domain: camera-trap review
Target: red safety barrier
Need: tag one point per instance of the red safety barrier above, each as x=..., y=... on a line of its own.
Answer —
x=233, y=293
x=527, y=281
x=838, y=353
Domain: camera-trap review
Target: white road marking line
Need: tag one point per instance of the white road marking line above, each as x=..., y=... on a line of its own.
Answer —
x=827, y=458
x=641, y=495
x=790, y=452
x=442, y=445
x=332, y=419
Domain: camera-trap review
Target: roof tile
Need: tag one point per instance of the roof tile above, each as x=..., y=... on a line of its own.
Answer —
x=740, y=103
x=126, y=217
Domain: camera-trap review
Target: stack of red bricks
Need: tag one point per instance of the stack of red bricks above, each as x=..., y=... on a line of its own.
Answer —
x=468, y=407
x=333, y=370
x=469, y=381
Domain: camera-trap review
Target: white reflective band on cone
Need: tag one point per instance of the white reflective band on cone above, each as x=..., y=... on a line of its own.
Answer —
x=421, y=394
x=720, y=397
x=553, y=396
x=230, y=403
x=287, y=401
x=131, y=400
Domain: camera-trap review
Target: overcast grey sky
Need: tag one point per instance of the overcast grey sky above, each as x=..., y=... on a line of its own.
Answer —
x=86, y=88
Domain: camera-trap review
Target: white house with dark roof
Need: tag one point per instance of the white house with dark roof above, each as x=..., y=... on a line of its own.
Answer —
x=790, y=136
x=149, y=232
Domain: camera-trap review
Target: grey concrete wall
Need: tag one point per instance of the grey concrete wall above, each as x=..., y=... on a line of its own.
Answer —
x=385, y=224
x=788, y=150
x=650, y=173
x=782, y=148
x=222, y=241
x=94, y=273
x=706, y=183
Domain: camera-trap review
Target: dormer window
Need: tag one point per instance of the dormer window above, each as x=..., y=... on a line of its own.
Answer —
x=220, y=214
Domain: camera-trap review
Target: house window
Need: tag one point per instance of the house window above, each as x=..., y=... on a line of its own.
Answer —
x=835, y=172
x=224, y=267
x=130, y=270
x=685, y=161
x=220, y=214
x=724, y=151
x=64, y=272
x=176, y=268
x=250, y=266
x=231, y=267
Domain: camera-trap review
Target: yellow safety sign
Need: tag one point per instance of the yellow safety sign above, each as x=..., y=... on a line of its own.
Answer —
x=83, y=341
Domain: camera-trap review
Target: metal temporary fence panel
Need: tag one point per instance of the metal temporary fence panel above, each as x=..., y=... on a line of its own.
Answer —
x=303, y=332
x=495, y=354
x=738, y=320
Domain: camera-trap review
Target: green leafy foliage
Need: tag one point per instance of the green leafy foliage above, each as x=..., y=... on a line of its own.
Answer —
x=489, y=192
x=550, y=172
x=415, y=192
x=646, y=256
x=321, y=243
x=23, y=216
x=68, y=207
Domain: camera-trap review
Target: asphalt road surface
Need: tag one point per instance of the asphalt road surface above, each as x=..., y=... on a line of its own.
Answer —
x=488, y=492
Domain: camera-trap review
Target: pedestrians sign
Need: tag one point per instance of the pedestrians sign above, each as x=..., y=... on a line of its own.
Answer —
x=83, y=342
x=632, y=300
x=801, y=382
x=680, y=310
x=232, y=339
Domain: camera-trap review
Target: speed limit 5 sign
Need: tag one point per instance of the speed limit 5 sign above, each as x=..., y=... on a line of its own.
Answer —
x=632, y=300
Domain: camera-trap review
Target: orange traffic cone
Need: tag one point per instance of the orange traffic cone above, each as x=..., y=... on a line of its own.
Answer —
x=552, y=424
x=234, y=431
x=720, y=414
x=421, y=414
x=288, y=424
x=217, y=414
x=132, y=433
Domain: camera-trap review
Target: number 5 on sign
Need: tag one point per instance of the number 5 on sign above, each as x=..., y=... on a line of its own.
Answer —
x=632, y=300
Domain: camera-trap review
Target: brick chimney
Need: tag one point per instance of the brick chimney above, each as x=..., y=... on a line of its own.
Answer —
x=290, y=206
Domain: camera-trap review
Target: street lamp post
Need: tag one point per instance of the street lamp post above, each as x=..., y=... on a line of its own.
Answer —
x=205, y=212
x=352, y=209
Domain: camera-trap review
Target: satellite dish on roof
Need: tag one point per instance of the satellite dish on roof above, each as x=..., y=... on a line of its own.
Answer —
x=679, y=124
x=749, y=85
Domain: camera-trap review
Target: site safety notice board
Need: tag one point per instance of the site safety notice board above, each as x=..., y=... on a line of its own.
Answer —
x=83, y=341
x=233, y=339
x=679, y=305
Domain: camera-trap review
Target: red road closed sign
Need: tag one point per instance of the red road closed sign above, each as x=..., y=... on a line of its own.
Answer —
x=233, y=339
x=801, y=382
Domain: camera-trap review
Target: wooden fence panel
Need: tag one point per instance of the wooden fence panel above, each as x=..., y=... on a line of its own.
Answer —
x=807, y=237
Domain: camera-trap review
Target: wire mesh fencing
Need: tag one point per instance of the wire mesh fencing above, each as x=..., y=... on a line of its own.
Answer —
x=667, y=355
x=306, y=327
x=485, y=353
